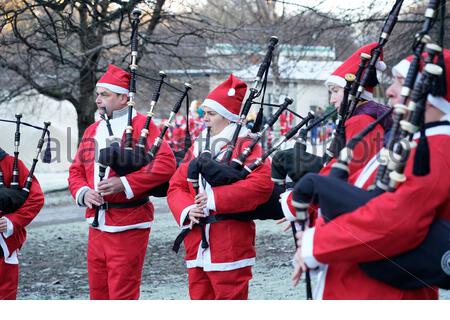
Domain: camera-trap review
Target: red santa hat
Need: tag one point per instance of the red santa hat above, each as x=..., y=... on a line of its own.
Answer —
x=226, y=99
x=442, y=103
x=401, y=68
x=115, y=79
x=351, y=66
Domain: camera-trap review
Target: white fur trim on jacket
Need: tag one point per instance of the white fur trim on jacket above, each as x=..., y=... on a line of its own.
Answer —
x=184, y=214
x=218, y=141
x=113, y=229
x=225, y=266
x=128, y=191
x=307, y=249
x=79, y=196
x=8, y=258
x=9, y=228
x=211, y=202
x=367, y=171
x=285, y=206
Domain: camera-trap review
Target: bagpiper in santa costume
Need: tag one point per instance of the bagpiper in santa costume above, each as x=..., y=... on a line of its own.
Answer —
x=365, y=113
x=389, y=224
x=12, y=226
x=223, y=269
x=116, y=248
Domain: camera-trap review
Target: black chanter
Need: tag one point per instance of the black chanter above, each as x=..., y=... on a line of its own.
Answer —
x=351, y=82
x=217, y=175
x=12, y=198
x=420, y=267
x=421, y=43
x=133, y=67
x=254, y=93
x=194, y=177
x=128, y=158
x=296, y=162
x=238, y=163
x=124, y=161
x=370, y=71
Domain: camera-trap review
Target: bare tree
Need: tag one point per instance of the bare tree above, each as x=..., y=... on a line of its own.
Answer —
x=59, y=48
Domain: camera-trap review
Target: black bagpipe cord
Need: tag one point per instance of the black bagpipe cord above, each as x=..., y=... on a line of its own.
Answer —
x=259, y=118
x=47, y=154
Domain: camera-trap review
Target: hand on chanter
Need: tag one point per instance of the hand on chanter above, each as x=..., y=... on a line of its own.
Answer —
x=3, y=225
x=201, y=200
x=286, y=227
x=92, y=198
x=195, y=214
x=299, y=264
x=110, y=186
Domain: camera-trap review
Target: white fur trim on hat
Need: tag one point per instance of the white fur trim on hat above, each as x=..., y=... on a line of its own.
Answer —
x=380, y=65
x=112, y=87
x=335, y=80
x=220, y=109
x=340, y=82
x=401, y=68
x=440, y=103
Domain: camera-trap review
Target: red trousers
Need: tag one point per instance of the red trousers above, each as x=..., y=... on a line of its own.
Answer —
x=115, y=262
x=219, y=285
x=9, y=280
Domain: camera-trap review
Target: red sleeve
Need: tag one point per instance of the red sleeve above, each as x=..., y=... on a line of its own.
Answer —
x=77, y=173
x=31, y=207
x=367, y=147
x=156, y=172
x=391, y=223
x=246, y=194
x=179, y=195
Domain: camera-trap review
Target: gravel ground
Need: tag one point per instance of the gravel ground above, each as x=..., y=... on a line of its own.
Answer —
x=53, y=261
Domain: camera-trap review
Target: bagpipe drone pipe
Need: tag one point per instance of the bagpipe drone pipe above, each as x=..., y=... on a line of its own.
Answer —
x=14, y=196
x=126, y=159
x=365, y=75
x=123, y=158
x=210, y=169
x=296, y=162
x=426, y=265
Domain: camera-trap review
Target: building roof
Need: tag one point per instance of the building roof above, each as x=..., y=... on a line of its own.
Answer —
x=295, y=70
x=285, y=50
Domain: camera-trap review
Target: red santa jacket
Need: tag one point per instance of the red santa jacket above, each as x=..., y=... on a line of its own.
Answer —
x=83, y=173
x=26, y=213
x=231, y=242
x=388, y=225
x=363, y=152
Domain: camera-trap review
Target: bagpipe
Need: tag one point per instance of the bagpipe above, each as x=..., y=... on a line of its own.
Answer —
x=227, y=170
x=127, y=159
x=296, y=161
x=427, y=264
x=365, y=75
x=14, y=196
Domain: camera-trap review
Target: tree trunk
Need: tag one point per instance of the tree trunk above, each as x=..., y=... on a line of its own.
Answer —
x=90, y=38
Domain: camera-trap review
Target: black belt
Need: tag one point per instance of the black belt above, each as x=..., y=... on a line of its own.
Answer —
x=243, y=216
x=123, y=205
